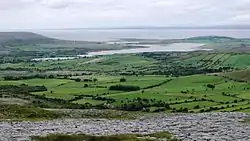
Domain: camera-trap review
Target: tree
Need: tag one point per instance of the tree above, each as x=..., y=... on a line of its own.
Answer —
x=185, y=110
x=65, y=77
x=211, y=86
x=51, y=76
x=159, y=110
x=78, y=80
x=123, y=80
x=95, y=80
x=134, y=106
x=197, y=107
x=202, y=111
x=126, y=88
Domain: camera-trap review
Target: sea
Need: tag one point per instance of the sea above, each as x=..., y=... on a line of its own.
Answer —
x=115, y=34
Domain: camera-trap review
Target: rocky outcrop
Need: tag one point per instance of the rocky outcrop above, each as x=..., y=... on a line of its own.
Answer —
x=187, y=127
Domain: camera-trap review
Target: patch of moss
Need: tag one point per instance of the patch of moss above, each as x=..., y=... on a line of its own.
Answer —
x=94, y=113
x=246, y=120
x=26, y=112
x=165, y=135
x=123, y=137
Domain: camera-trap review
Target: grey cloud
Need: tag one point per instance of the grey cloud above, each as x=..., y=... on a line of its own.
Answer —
x=56, y=4
x=92, y=13
x=10, y=4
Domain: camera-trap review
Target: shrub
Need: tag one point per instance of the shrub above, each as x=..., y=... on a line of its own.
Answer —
x=123, y=80
x=210, y=86
x=78, y=80
x=146, y=110
x=159, y=110
x=126, y=88
x=51, y=76
x=197, y=107
x=87, y=80
x=202, y=111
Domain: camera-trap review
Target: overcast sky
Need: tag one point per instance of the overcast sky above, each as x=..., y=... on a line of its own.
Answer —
x=38, y=14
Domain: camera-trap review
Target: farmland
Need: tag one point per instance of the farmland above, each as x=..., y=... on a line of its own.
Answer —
x=124, y=94
x=177, y=64
x=172, y=82
x=173, y=94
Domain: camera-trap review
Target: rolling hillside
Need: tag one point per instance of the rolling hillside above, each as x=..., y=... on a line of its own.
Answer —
x=31, y=44
x=6, y=36
x=241, y=75
x=28, y=44
x=23, y=37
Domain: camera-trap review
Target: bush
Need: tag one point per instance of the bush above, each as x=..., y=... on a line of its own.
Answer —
x=51, y=76
x=78, y=80
x=159, y=110
x=26, y=112
x=202, y=111
x=87, y=80
x=123, y=80
x=125, y=88
x=210, y=86
x=133, y=106
x=146, y=110
x=197, y=107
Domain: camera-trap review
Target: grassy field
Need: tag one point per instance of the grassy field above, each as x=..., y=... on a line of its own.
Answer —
x=175, y=82
x=147, y=64
x=190, y=92
x=114, y=63
x=216, y=60
x=25, y=112
x=124, y=137
x=241, y=75
x=200, y=81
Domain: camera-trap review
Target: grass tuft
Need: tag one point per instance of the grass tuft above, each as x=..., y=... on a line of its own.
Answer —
x=123, y=137
x=25, y=112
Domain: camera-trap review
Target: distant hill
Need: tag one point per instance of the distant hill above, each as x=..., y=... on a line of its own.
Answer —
x=161, y=27
x=28, y=42
x=23, y=37
x=20, y=35
x=213, y=38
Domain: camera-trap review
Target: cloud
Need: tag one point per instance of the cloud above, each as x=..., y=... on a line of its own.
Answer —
x=245, y=18
x=56, y=4
x=9, y=4
x=108, y=13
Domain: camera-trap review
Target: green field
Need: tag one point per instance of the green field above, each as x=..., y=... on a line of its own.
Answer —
x=115, y=63
x=216, y=60
x=189, y=92
x=199, y=81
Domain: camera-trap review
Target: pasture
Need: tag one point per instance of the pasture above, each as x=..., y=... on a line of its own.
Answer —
x=175, y=82
x=193, y=93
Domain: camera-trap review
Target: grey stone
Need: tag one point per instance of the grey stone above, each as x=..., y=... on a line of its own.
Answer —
x=187, y=127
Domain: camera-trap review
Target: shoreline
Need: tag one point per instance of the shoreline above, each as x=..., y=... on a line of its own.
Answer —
x=174, y=47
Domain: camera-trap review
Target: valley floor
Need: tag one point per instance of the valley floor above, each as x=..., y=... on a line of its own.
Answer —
x=186, y=127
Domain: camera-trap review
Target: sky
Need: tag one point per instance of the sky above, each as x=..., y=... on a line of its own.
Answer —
x=51, y=14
